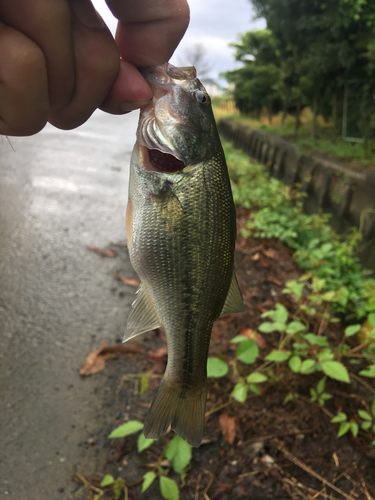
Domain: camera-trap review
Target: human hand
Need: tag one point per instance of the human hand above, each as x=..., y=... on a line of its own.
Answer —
x=59, y=62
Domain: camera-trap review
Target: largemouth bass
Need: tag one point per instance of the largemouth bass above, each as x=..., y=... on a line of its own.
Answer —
x=181, y=229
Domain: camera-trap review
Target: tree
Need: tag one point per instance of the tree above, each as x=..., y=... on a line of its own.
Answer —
x=196, y=56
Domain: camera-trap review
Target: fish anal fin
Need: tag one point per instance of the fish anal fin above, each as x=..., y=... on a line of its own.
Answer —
x=233, y=302
x=182, y=408
x=142, y=317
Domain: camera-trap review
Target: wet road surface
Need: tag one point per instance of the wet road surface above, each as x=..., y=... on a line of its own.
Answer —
x=59, y=193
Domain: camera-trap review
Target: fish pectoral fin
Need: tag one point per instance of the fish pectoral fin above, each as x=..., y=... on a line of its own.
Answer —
x=142, y=317
x=233, y=302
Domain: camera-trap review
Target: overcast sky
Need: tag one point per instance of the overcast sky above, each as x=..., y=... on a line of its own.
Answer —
x=213, y=23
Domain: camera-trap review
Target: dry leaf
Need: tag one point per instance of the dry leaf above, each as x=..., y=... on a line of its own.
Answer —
x=159, y=353
x=95, y=361
x=274, y=280
x=103, y=252
x=251, y=334
x=271, y=253
x=228, y=427
x=256, y=256
x=128, y=281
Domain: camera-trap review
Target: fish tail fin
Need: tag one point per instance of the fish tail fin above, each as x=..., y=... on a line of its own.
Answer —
x=182, y=408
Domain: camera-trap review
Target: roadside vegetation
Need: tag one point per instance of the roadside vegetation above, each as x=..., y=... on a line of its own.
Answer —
x=310, y=75
x=304, y=351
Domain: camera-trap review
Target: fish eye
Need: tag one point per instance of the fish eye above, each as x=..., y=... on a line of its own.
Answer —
x=202, y=98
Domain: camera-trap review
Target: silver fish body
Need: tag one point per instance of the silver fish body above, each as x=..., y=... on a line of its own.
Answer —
x=181, y=235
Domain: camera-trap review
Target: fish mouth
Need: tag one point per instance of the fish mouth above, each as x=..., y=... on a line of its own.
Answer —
x=165, y=163
x=155, y=160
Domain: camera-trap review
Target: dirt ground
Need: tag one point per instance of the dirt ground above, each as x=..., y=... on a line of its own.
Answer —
x=278, y=451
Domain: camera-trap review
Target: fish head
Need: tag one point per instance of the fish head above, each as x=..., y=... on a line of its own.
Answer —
x=177, y=127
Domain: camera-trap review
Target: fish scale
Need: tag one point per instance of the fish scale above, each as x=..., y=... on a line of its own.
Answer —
x=181, y=241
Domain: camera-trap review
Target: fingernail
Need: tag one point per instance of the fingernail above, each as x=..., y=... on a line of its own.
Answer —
x=127, y=106
x=86, y=14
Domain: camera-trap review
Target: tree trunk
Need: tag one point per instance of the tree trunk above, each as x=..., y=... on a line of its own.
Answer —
x=298, y=114
x=270, y=112
x=313, y=122
x=285, y=108
x=334, y=112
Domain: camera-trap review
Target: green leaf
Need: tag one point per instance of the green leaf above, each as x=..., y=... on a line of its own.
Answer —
x=169, y=488
x=238, y=338
x=373, y=407
x=316, y=340
x=320, y=385
x=143, y=443
x=255, y=389
x=329, y=296
x=267, y=327
x=325, y=355
x=278, y=356
x=295, y=327
x=216, y=367
x=343, y=429
x=145, y=382
x=107, y=479
x=352, y=330
x=148, y=479
x=126, y=429
x=289, y=397
x=178, y=453
x=366, y=425
x=353, y=427
x=239, y=392
x=248, y=351
x=295, y=363
x=370, y=372
x=364, y=415
x=371, y=319
x=308, y=366
x=336, y=370
x=281, y=314
x=256, y=378
x=340, y=417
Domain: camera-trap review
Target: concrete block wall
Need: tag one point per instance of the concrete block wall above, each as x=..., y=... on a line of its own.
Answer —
x=348, y=194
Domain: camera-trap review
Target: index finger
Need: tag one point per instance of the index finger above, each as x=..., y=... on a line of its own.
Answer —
x=149, y=31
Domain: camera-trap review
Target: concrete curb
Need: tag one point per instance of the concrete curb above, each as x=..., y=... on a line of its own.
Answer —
x=346, y=193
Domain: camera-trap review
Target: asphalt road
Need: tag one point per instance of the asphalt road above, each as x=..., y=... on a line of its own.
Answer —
x=59, y=193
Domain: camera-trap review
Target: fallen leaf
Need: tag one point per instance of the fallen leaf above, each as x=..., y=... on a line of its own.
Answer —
x=274, y=280
x=256, y=256
x=228, y=427
x=128, y=281
x=253, y=335
x=159, y=353
x=120, y=244
x=271, y=253
x=95, y=361
x=103, y=252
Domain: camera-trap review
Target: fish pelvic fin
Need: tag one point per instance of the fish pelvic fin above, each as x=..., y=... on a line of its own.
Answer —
x=233, y=302
x=182, y=408
x=142, y=317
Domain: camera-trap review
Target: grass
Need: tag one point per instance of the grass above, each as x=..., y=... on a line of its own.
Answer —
x=327, y=140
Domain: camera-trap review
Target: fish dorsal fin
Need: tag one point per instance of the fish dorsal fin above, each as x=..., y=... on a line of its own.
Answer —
x=142, y=317
x=233, y=302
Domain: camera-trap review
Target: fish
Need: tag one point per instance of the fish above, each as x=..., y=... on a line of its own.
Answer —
x=181, y=229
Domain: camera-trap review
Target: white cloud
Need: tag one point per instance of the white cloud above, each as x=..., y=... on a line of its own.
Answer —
x=214, y=23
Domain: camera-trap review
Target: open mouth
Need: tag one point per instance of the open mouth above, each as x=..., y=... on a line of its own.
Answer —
x=164, y=162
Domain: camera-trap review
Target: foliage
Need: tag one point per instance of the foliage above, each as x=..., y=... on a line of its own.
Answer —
x=329, y=258
x=309, y=50
x=177, y=452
